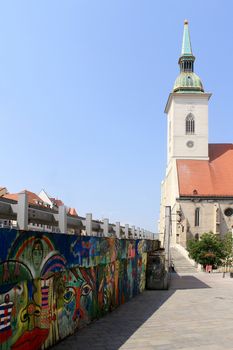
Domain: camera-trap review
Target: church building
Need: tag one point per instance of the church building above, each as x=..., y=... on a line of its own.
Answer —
x=198, y=184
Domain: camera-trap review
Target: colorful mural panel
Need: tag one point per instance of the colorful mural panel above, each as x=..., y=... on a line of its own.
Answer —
x=52, y=284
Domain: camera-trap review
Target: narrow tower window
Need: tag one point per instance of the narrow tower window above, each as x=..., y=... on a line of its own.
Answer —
x=197, y=216
x=190, y=124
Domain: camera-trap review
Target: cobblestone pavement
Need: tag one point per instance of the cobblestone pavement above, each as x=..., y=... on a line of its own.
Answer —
x=195, y=313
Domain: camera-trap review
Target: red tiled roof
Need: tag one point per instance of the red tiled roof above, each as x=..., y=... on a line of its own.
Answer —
x=72, y=212
x=13, y=196
x=213, y=177
x=57, y=202
x=32, y=197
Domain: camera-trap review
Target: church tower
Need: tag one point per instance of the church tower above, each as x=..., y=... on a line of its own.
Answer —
x=187, y=111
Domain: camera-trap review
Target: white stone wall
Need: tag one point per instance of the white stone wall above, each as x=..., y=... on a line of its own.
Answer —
x=179, y=106
x=208, y=218
x=169, y=194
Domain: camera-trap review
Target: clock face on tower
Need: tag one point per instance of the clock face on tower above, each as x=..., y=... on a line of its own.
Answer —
x=189, y=144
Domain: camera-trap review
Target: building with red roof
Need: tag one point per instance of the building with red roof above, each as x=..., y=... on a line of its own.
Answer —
x=43, y=201
x=198, y=185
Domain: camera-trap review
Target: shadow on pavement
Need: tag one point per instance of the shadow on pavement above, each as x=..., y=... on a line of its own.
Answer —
x=113, y=330
x=186, y=282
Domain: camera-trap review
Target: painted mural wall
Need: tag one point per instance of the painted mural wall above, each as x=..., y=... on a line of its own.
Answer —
x=52, y=284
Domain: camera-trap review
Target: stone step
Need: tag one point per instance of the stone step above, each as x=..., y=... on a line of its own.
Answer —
x=181, y=263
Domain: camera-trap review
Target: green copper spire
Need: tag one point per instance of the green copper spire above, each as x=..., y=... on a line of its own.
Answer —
x=186, y=44
x=186, y=59
x=187, y=81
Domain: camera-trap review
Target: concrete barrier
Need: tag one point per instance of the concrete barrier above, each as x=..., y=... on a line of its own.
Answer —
x=52, y=284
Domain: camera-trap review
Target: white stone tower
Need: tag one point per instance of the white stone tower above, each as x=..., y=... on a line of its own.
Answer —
x=187, y=110
x=187, y=128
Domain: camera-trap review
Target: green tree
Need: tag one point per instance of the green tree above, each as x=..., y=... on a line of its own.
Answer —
x=209, y=250
x=228, y=247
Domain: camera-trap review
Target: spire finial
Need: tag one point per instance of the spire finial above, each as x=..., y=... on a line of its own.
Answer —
x=186, y=43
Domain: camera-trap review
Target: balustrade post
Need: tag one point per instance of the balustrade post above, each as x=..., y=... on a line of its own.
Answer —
x=126, y=231
x=118, y=229
x=138, y=233
x=106, y=227
x=133, y=231
x=142, y=233
x=62, y=219
x=88, y=224
x=22, y=211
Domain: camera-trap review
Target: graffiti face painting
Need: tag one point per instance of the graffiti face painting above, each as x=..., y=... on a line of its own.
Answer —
x=52, y=284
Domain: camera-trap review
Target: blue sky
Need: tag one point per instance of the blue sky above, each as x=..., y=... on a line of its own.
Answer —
x=83, y=86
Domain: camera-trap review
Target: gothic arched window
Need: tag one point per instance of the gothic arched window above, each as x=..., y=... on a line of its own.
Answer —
x=190, y=124
x=197, y=217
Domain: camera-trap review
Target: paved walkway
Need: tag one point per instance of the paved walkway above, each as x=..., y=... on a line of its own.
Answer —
x=195, y=313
